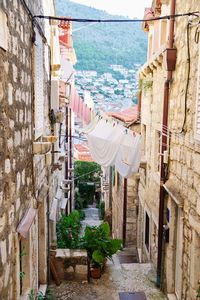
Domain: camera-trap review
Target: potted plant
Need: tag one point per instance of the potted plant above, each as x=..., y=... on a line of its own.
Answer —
x=100, y=247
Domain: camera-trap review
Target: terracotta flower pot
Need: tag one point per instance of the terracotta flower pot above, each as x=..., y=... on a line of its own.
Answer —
x=95, y=272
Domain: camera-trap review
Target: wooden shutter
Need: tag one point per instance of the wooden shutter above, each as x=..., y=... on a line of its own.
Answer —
x=197, y=121
x=39, y=84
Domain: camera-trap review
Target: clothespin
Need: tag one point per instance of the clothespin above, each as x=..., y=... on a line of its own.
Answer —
x=113, y=124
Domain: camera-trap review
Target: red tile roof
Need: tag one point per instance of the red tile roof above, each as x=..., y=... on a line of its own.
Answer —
x=82, y=152
x=129, y=115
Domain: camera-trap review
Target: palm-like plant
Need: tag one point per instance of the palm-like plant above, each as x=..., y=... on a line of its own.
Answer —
x=99, y=245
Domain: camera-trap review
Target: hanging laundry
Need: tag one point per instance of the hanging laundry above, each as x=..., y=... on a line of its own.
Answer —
x=88, y=128
x=128, y=156
x=87, y=114
x=76, y=103
x=72, y=97
x=104, y=142
x=80, y=109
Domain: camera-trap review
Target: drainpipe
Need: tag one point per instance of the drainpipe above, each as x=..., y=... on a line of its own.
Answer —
x=163, y=148
x=124, y=212
x=110, y=188
x=70, y=155
x=139, y=105
x=48, y=180
x=67, y=149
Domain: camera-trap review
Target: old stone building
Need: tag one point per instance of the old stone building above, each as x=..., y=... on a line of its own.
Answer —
x=169, y=195
x=31, y=171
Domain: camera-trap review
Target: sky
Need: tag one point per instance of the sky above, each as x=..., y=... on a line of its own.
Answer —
x=130, y=8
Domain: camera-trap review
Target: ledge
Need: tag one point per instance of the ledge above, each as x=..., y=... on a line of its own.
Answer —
x=64, y=253
x=154, y=62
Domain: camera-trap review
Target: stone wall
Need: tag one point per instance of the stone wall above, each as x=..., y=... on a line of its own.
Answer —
x=185, y=155
x=23, y=262
x=181, y=215
x=16, y=186
x=70, y=264
x=117, y=206
x=132, y=205
x=131, y=218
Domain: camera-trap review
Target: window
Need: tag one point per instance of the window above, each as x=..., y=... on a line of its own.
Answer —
x=163, y=32
x=150, y=47
x=197, y=121
x=147, y=231
x=3, y=30
x=156, y=36
x=39, y=84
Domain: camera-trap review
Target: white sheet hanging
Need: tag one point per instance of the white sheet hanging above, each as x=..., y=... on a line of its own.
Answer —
x=26, y=222
x=104, y=141
x=88, y=128
x=128, y=155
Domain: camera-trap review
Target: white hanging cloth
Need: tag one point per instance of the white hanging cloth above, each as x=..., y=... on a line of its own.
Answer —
x=88, y=128
x=104, y=141
x=128, y=156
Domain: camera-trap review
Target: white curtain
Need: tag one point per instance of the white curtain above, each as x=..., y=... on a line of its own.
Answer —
x=104, y=142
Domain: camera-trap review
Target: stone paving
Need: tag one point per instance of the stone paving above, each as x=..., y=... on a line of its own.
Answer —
x=91, y=217
x=116, y=278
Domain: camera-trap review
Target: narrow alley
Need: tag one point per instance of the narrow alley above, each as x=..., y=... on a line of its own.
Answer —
x=99, y=150
x=129, y=277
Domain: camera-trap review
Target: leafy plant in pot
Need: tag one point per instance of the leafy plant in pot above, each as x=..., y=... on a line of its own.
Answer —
x=99, y=246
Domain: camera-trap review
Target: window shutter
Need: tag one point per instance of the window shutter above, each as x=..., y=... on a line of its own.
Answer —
x=3, y=31
x=39, y=84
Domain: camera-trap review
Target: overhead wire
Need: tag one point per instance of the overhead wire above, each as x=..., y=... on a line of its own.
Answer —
x=82, y=20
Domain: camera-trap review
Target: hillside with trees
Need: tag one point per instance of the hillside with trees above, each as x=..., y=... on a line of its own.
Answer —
x=99, y=45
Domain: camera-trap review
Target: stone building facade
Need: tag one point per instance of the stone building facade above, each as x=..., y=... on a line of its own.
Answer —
x=30, y=173
x=180, y=273
x=124, y=223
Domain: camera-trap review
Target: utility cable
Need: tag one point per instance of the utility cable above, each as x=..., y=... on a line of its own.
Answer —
x=188, y=75
x=195, y=14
